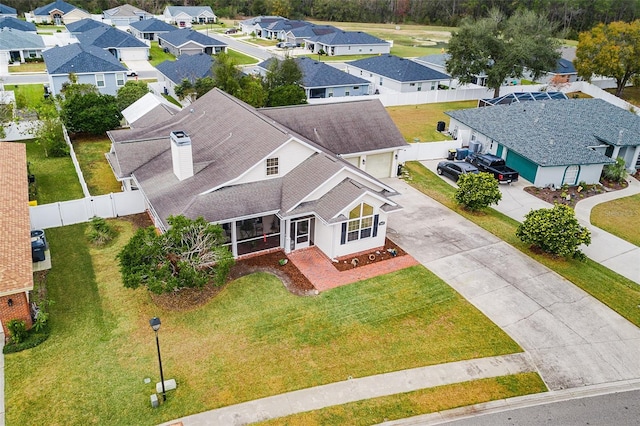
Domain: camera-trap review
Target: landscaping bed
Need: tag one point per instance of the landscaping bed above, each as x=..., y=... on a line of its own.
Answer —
x=347, y=263
x=570, y=195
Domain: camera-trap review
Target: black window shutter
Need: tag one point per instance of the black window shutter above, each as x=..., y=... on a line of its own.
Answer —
x=375, y=225
x=343, y=237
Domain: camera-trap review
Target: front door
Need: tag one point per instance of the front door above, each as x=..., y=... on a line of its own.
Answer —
x=301, y=233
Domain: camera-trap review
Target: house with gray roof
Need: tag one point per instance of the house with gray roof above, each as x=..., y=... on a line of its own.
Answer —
x=123, y=15
x=84, y=25
x=184, y=16
x=149, y=110
x=7, y=11
x=389, y=73
x=347, y=43
x=53, y=13
x=267, y=186
x=190, y=42
x=17, y=24
x=320, y=80
x=150, y=29
x=120, y=44
x=186, y=67
x=17, y=46
x=554, y=141
x=256, y=25
x=298, y=35
x=90, y=64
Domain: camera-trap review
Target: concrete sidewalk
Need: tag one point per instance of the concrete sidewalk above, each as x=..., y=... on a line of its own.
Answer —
x=356, y=389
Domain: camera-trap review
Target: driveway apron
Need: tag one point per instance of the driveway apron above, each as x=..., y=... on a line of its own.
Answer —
x=573, y=339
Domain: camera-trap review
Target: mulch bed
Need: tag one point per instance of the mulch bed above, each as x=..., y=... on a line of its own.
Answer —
x=346, y=263
x=572, y=194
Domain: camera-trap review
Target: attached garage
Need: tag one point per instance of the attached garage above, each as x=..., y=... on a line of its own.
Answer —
x=379, y=165
x=526, y=168
x=354, y=160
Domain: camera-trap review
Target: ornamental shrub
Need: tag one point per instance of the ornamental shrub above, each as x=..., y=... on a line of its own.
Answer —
x=477, y=191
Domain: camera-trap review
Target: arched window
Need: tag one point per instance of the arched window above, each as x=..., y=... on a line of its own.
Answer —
x=360, y=223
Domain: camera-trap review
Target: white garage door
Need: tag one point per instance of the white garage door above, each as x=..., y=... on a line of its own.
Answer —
x=354, y=160
x=379, y=165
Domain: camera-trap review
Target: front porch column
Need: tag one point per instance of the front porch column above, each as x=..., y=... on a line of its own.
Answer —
x=234, y=240
x=634, y=159
x=285, y=233
x=22, y=57
x=616, y=151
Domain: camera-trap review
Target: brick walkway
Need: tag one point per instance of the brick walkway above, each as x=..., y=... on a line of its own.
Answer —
x=324, y=276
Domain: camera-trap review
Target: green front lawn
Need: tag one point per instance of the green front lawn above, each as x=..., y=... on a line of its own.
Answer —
x=241, y=58
x=619, y=293
x=29, y=67
x=27, y=95
x=420, y=121
x=95, y=168
x=158, y=55
x=619, y=217
x=56, y=178
x=252, y=340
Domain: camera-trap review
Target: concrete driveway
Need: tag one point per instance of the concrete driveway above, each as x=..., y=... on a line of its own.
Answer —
x=573, y=339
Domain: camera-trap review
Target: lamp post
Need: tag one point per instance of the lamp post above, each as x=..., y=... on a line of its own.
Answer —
x=155, y=325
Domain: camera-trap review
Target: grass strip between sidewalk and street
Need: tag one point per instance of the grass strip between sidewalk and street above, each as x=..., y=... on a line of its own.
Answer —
x=617, y=292
x=424, y=401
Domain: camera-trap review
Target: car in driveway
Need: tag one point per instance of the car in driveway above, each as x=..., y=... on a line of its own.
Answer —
x=231, y=31
x=454, y=169
x=286, y=45
x=131, y=73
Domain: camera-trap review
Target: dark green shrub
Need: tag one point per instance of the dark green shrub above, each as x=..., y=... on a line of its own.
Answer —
x=100, y=232
x=615, y=172
x=33, y=339
x=18, y=330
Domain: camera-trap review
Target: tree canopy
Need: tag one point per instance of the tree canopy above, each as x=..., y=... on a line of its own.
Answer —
x=477, y=191
x=131, y=92
x=502, y=47
x=86, y=111
x=611, y=50
x=189, y=254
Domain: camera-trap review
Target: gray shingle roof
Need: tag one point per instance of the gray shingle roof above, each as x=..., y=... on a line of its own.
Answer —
x=346, y=38
x=109, y=37
x=319, y=74
x=564, y=66
x=79, y=58
x=399, y=69
x=84, y=25
x=16, y=24
x=16, y=39
x=179, y=37
x=190, y=67
x=7, y=10
x=189, y=10
x=555, y=133
x=312, y=30
x=125, y=10
x=340, y=128
x=152, y=25
x=62, y=6
x=258, y=19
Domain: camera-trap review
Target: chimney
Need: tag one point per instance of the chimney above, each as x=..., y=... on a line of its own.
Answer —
x=181, y=155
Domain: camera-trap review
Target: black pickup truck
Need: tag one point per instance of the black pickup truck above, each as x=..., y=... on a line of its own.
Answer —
x=494, y=165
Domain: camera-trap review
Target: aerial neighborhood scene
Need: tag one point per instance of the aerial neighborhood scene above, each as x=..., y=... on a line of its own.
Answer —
x=319, y=212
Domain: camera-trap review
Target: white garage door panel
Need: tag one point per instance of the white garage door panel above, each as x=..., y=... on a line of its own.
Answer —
x=354, y=160
x=379, y=165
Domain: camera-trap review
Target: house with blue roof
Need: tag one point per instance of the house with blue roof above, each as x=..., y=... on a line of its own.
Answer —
x=564, y=72
x=17, y=46
x=120, y=44
x=190, y=42
x=7, y=11
x=84, y=25
x=54, y=13
x=189, y=67
x=564, y=141
x=320, y=80
x=389, y=73
x=256, y=25
x=17, y=24
x=90, y=64
x=150, y=29
x=184, y=16
x=299, y=34
x=347, y=43
x=123, y=15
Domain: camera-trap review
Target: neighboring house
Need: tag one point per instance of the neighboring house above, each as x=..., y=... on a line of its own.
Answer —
x=299, y=34
x=255, y=25
x=16, y=267
x=17, y=24
x=184, y=16
x=320, y=80
x=190, y=42
x=268, y=186
x=395, y=74
x=7, y=11
x=150, y=29
x=120, y=44
x=186, y=67
x=122, y=16
x=149, y=110
x=84, y=25
x=564, y=72
x=51, y=13
x=347, y=43
x=555, y=141
x=75, y=15
x=16, y=46
x=279, y=28
x=90, y=64
x=361, y=132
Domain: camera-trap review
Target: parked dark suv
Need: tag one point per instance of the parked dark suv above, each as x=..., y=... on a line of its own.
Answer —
x=454, y=169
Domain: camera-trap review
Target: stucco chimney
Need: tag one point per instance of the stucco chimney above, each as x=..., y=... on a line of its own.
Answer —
x=181, y=155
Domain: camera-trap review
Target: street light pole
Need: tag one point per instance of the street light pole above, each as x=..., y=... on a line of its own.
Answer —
x=155, y=325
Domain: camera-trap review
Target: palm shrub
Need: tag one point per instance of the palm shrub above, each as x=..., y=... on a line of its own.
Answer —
x=100, y=232
x=616, y=172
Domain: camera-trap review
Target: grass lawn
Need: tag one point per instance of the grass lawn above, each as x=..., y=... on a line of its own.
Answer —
x=158, y=55
x=379, y=410
x=94, y=166
x=172, y=100
x=27, y=95
x=241, y=58
x=29, y=67
x=262, y=41
x=253, y=340
x=419, y=121
x=56, y=178
x=619, y=293
x=630, y=94
x=619, y=217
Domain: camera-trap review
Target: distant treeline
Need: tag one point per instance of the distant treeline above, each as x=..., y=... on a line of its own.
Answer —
x=572, y=15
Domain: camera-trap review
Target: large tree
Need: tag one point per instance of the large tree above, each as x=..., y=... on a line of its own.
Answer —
x=502, y=48
x=89, y=112
x=283, y=83
x=131, y=92
x=612, y=51
x=189, y=254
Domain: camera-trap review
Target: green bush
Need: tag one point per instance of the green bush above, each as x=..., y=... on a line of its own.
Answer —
x=100, y=232
x=33, y=339
x=18, y=330
x=616, y=172
x=477, y=191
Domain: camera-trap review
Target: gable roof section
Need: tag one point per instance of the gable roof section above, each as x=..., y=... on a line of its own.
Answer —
x=564, y=66
x=190, y=67
x=180, y=37
x=84, y=25
x=193, y=11
x=345, y=38
x=15, y=39
x=16, y=24
x=16, y=272
x=399, y=69
x=261, y=19
x=340, y=127
x=438, y=59
x=555, y=133
x=60, y=5
x=152, y=25
x=79, y=58
x=109, y=37
x=312, y=30
x=125, y=10
x=7, y=10
x=319, y=74
x=146, y=104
